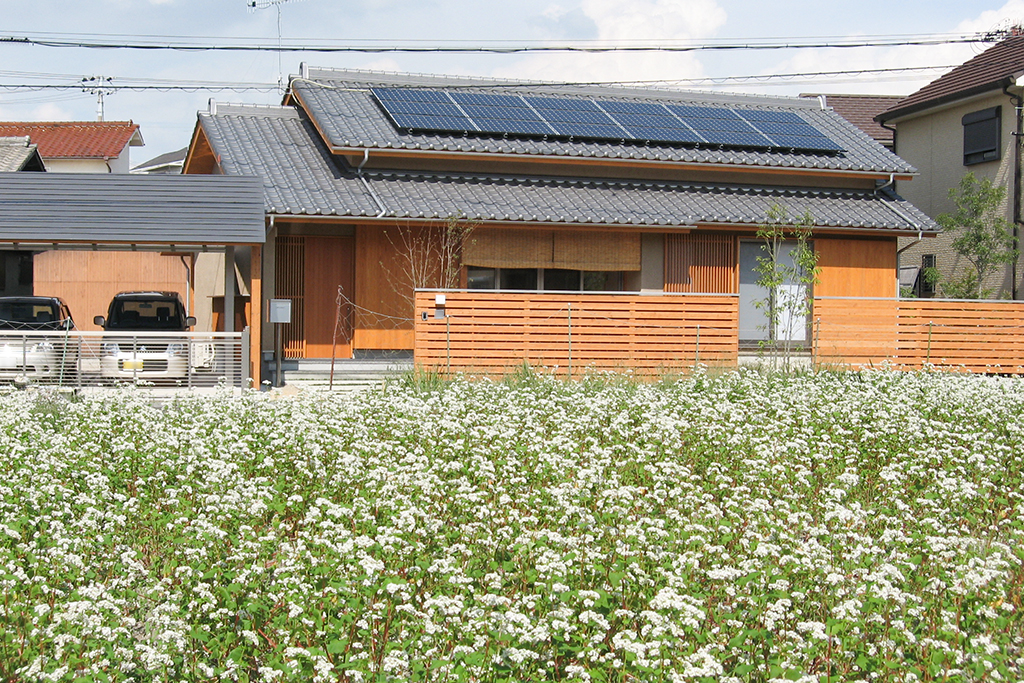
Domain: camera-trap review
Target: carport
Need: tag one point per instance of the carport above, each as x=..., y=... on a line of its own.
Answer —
x=171, y=214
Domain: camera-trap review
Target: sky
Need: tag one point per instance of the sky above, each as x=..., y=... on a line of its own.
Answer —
x=167, y=118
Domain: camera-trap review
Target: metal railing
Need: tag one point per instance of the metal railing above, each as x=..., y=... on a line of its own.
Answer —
x=169, y=359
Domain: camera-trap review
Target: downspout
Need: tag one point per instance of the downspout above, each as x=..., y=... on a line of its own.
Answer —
x=188, y=288
x=898, y=211
x=895, y=207
x=1018, y=104
x=366, y=184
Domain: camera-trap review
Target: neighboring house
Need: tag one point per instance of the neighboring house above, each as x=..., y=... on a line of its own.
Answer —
x=80, y=146
x=861, y=110
x=966, y=120
x=87, y=280
x=568, y=187
x=169, y=162
x=17, y=154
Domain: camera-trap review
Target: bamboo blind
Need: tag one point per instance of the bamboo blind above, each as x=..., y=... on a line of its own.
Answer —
x=592, y=250
x=489, y=248
x=700, y=263
x=598, y=251
x=492, y=333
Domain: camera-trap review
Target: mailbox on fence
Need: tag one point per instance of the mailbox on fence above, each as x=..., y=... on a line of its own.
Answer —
x=279, y=312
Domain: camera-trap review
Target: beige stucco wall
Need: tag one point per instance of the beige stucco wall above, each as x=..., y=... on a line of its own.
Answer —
x=933, y=143
x=115, y=165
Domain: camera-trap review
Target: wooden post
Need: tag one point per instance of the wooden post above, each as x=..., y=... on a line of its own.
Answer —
x=928, y=357
x=569, y=307
x=696, y=357
x=256, y=309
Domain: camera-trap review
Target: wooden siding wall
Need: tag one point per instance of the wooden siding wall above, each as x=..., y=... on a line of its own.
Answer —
x=851, y=267
x=977, y=336
x=309, y=270
x=494, y=333
x=700, y=263
x=88, y=280
x=329, y=265
x=383, y=319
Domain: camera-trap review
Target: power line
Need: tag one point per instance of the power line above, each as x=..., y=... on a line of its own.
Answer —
x=86, y=84
x=580, y=47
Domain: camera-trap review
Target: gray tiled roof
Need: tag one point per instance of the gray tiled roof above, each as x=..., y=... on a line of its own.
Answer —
x=604, y=202
x=17, y=153
x=281, y=146
x=301, y=178
x=127, y=208
x=340, y=102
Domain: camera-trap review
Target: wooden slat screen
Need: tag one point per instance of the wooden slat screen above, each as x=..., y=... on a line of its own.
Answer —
x=494, y=333
x=853, y=332
x=592, y=250
x=975, y=336
x=980, y=336
x=290, y=267
x=700, y=263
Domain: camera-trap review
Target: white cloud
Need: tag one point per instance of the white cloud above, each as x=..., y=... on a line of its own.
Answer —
x=51, y=112
x=878, y=58
x=640, y=20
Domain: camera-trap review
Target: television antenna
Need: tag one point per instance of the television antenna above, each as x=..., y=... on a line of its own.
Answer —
x=254, y=5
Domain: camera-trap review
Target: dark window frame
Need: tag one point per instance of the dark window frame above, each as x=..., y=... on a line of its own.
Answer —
x=982, y=135
x=926, y=288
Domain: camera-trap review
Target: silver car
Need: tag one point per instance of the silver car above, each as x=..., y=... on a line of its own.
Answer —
x=146, y=355
x=35, y=339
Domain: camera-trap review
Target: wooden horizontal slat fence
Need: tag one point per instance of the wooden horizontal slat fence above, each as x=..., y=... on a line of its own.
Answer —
x=975, y=336
x=495, y=333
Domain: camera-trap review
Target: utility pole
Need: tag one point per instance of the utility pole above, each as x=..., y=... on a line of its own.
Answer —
x=100, y=86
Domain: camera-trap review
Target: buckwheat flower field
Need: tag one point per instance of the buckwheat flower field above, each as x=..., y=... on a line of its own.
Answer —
x=741, y=527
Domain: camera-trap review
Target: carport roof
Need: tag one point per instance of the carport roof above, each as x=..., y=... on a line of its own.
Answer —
x=144, y=211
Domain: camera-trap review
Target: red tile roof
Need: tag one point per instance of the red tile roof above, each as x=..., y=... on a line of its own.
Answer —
x=861, y=110
x=75, y=139
x=991, y=70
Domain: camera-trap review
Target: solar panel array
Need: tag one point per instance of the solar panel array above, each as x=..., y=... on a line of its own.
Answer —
x=645, y=122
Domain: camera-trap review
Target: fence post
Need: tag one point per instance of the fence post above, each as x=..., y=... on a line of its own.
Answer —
x=448, y=342
x=569, y=308
x=696, y=359
x=245, y=352
x=814, y=345
x=928, y=356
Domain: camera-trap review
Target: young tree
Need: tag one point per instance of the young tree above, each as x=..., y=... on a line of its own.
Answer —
x=787, y=281
x=429, y=256
x=982, y=236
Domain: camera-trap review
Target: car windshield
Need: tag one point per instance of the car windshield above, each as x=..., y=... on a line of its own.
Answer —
x=151, y=314
x=29, y=315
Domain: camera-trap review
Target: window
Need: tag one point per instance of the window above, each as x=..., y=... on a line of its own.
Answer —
x=981, y=135
x=926, y=278
x=544, y=279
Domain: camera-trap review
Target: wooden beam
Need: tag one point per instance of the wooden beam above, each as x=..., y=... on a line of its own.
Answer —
x=256, y=321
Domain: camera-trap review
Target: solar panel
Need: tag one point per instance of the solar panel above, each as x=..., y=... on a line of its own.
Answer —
x=769, y=116
x=611, y=120
x=577, y=118
x=787, y=129
x=423, y=110
x=501, y=114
